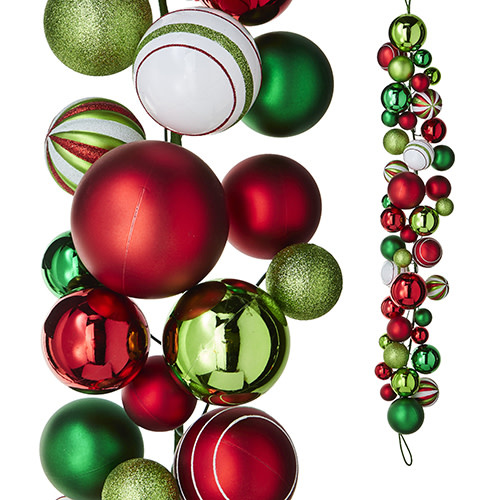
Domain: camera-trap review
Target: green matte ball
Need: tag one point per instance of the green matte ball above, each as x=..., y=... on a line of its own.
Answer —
x=405, y=415
x=396, y=355
x=305, y=280
x=395, y=141
x=444, y=158
x=389, y=119
x=96, y=37
x=83, y=442
x=390, y=244
x=401, y=68
x=407, y=32
x=140, y=479
x=426, y=358
x=444, y=206
x=402, y=257
x=423, y=317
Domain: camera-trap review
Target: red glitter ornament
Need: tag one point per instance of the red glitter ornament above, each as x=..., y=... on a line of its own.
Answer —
x=407, y=120
x=433, y=130
x=383, y=371
x=399, y=329
x=438, y=187
x=406, y=190
x=408, y=235
x=420, y=335
x=387, y=393
x=390, y=309
x=386, y=54
x=250, y=12
x=408, y=290
x=393, y=219
x=420, y=82
x=427, y=252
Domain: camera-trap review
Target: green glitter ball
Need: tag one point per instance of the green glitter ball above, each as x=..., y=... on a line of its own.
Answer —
x=395, y=141
x=423, y=317
x=137, y=479
x=444, y=206
x=305, y=280
x=96, y=37
x=396, y=355
x=402, y=257
x=405, y=415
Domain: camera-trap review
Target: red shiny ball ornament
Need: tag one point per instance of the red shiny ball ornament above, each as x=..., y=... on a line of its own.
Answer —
x=420, y=82
x=393, y=219
x=95, y=340
x=386, y=54
x=399, y=329
x=438, y=187
x=239, y=453
x=408, y=290
x=407, y=120
x=408, y=235
x=383, y=371
x=406, y=190
x=390, y=309
x=433, y=130
x=427, y=252
x=156, y=399
x=273, y=202
x=250, y=12
x=420, y=335
x=387, y=393
x=149, y=219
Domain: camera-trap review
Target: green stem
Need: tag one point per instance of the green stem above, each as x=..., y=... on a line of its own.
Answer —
x=177, y=435
x=176, y=138
x=163, y=7
x=408, y=4
x=261, y=280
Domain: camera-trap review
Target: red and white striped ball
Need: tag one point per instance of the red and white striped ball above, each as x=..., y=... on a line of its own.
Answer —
x=428, y=392
x=386, y=54
x=82, y=132
x=393, y=168
x=427, y=252
x=418, y=155
x=236, y=453
x=437, y=287
x=426, y=104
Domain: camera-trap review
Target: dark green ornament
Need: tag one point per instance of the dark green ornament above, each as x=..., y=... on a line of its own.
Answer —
x=297, y=85
x=390, y=244
x=426, y=359
x=389, y=119
x=433, y=74
x=396, y=97
x=386, y=202
x=405, y=415
x=407, y=32
x=423, y=317
x=422, y=58
x=444, y=157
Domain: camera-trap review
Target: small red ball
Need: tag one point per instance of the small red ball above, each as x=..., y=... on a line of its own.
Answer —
x=427, y=252
x=420, y=82
x=250, y=13
x=438, y=187
x=433, y=130
x=406, y=190
x=408, y=290
x=383, y=371
x=387, y=392
x=408, y=235
x=420, y=335
x=393, y=219
x=399, y=329
x=390, y=309
x=386, y=54
x=273, y=202
x=407, y=120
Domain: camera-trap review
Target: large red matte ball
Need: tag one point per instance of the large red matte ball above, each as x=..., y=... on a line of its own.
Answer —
x=273, y=202
x=399, y=329
x=408, y=290
x=149, y=219
x=239, y=453
x=406, y=190
x=155, y=399
x=438, y=187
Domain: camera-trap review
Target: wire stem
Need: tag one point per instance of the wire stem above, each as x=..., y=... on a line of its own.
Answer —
x=401, y=442
x=164, y=8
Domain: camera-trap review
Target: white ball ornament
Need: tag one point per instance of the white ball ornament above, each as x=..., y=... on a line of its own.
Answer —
x=390, y=272
x=418, y=155
x=197, y=71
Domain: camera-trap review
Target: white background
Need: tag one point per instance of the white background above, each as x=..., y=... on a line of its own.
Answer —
x=328, y=397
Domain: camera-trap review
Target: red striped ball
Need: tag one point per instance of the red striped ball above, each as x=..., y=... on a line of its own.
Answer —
x=428, y=392
x=386, y=54
x=427, y=252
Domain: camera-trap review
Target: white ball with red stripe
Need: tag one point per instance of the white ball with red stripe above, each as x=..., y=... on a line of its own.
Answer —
x=428, y=392
x=426, y=104
x=427, y=252
x=197, y=71
x=418, y=155
x=394, y=168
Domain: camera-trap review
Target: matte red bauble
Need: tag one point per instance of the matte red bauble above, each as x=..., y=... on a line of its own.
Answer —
x=407, y=120
x=406, y=190
x=420, y=82
x=427, y=252
x=408, y=290
x=390, y=309
x=156, y=399
x=438, y=187
x=250, y=12
x=408, y=235
x=399, y=329
x=239, y=453
x=387, y=393
x=95, y=340
x=273, y=202
x=149, y=219
x=383, y=371
x=393, y=219
x=433, y=130
x=420, y=335
x=386, y=54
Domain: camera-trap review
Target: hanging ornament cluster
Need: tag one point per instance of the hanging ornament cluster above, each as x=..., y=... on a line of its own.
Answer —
x=149, y=219
x=411, y=106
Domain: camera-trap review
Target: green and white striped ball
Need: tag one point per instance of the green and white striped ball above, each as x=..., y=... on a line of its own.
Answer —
x=393, y=168
x=428, y=392
x=82, y=132
x=418, y=155
x=197, y=71
x=437, y=287
x=426, y=104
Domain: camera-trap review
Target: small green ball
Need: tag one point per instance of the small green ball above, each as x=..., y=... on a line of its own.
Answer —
x=401, y=68
x=423, y=317
x=444, y=207
x=390, y=244
x=407, y=32
x=384, y=341
x=422, y=58
x=434, y=75
x=424, y=220
x=386, y=202
x=389, y=119
x=402, y=257
x=396, y=97
x=426, y=358
x=396, y=355
x=444, y=158
x=405, y=382
x=395, y=141
x=405, y=415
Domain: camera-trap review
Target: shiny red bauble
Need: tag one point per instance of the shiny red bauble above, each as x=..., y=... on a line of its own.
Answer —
x=406, y=190
x=407, y=120
x=240, y=453
x=427, y=252
x=408, y=290
x=408, y=235
x=149, y=219
x=387, y=393
x=95, y=340
x=420, y=335
x=273, y=202
x=420, y=82
x=386, y=54
x=433, y=130
x=250, y=12
x=399, y=329
x=383, y=371
x=393, y=219
x=390, y=309
x=438, y=187
x=156, y=399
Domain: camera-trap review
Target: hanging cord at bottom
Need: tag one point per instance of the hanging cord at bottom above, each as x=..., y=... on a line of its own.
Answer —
x=401, y=441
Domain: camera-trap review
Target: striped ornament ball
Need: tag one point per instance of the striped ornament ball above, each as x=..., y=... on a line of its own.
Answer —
x=418, y=155
x=393, y=168
x=426, y=104
x=197, y=71
x=437, y=287
x=82, y=132
x=428, y=392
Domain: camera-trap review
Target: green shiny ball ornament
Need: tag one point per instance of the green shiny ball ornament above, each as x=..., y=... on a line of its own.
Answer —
x=444, y=207
x=401, y=68
x=402, y=257
x=444, y=158
x=390, y=244
x=396, y=97
x=396, y=355
x=140, y=479
x=83, y=442
x=386, y=201
x=433, y=74
x=405, y=382
x=389, y=119
x=96, y=37
x=407, y=32
x=424, y=220
x=423, y=317
x=405, y=415
x=297, y=85
x=426, y=358
x=395, y=141
x=384, y=341
x=422, y=58
x=305, y=280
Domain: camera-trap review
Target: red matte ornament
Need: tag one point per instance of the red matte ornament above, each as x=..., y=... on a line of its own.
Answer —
x=250, y=12
x=399, y=329
x=433, y=130
x=406, y=190
x=149, y=219
x=408, y=290
x=420, y=82
x=156, y=399
x=393, y=219
x=420, y=335
x=427, y=252
x=383, y=371
x=407, y=120
x=390, y=309
x=273, y=202
x=438, y=187
x=387, y=393
x=386, y=54
x=408, y=235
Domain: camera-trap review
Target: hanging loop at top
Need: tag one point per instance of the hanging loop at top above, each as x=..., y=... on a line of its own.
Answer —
x=408, y=4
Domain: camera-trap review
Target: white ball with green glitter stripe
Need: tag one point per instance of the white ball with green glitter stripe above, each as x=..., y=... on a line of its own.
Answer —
x=197, y=71
x=82, y=132
x=418, y=155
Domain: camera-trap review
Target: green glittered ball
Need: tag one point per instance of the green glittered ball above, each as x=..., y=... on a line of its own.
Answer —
x=407, y=32
x=395, y=141
x=140, y=479
x=426, y=358
x=405, y=382
x=444, y=158
x=305, y=280
x=390, y=244
x=444, y=207
x=402, y=257
x=405, y=415
x=423, y=317
x=396, y=355
x=401, y=68
x=96, y=37
x=396, y=97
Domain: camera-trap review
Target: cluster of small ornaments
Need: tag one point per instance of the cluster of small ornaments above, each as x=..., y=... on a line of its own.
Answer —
x=149, y=219
x=411, y=106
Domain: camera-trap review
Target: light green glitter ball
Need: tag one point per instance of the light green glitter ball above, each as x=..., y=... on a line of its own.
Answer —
x=402, y=257
x=444, y=207
x=396, y=355
x=140, y=479
x=305, y=280
x=395, y=141
x=96, y=37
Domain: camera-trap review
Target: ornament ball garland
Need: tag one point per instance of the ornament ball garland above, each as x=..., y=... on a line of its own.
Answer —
x=407, y=100
x=149, y=219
